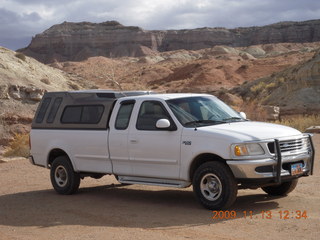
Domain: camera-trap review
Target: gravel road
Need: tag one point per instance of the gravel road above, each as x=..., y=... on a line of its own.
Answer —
x=104, y=209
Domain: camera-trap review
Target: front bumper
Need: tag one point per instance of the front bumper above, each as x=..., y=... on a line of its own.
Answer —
x=273, y=168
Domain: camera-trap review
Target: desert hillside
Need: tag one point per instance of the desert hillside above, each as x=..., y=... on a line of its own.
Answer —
x=230, y=73
x=78, y=41
x=296, y=90
x=217, y=69
x=23, y=81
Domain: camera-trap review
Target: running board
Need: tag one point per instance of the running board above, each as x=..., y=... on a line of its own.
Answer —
x=154, y=181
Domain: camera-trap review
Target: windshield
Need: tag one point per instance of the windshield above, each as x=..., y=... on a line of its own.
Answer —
x=202, y=111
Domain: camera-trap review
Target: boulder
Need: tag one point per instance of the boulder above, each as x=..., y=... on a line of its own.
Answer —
x=313, y=129
x=25, y=93
x=272, y=113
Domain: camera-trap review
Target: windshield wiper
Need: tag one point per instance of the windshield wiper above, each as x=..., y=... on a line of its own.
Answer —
x=205, y=122
x=233, y=118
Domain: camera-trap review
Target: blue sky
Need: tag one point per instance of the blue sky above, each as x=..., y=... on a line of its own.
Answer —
x=22, y=19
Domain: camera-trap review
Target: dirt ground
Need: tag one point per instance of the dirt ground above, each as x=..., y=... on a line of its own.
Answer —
x=104, y=209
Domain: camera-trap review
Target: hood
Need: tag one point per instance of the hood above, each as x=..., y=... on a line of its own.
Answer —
x=249, y=131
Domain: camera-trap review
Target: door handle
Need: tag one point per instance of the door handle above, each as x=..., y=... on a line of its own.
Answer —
x=134, y=141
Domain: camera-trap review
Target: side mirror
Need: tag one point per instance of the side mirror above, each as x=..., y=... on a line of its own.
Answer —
x=163, y=123
x=243, y=115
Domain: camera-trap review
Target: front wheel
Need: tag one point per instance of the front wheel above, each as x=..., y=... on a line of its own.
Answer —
x=281, y=190
x=64, y=180
x=214, y=186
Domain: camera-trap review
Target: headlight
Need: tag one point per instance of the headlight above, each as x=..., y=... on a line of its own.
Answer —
x=248, y=149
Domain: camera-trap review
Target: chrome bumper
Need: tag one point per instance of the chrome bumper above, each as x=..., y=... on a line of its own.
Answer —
x=272, y=167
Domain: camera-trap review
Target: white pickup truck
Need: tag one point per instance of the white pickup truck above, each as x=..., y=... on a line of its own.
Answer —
x=173, y=140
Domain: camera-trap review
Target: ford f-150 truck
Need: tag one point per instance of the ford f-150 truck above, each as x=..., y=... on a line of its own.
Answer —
x=173, y=140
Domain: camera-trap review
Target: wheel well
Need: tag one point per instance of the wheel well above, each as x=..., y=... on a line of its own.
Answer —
x=203, y=158
x=54, y=154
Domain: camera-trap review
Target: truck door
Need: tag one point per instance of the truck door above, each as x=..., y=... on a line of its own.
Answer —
x=118, y=139
x=154, y=152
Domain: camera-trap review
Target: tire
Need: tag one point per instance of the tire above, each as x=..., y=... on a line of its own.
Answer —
x=281, y=190
x=63, y=178
x=215, y=186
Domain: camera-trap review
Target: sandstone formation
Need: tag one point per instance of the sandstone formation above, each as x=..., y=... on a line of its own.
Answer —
x=78, y=41
x=295, y=90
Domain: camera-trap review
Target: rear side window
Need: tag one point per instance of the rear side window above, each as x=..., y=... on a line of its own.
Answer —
x=91, y=114
x=54, y=110
x=43, y=109
x=124, y=114
x=86, y=114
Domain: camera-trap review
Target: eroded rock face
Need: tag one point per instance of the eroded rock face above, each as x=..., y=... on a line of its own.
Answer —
x=21, y=92
x=78, y=41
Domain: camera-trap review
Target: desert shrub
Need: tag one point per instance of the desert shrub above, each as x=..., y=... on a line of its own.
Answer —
x=2, y=120
x=258, y=87
x=20, y=56
x=280, y=80
x=301, y=122
x=19, y=146
x=263, y=86
x=46, y=81
x=271, y=85
x=253, y=111
x=243, y=67
x=74, y=86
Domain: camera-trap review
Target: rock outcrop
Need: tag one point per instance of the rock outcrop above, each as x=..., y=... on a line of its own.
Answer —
x=78, y=41
x=23, y=81
x=295, y=90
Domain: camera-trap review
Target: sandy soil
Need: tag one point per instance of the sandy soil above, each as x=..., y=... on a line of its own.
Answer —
x=103, y=209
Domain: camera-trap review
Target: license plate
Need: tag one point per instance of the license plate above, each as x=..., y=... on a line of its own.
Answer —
x=296, y=169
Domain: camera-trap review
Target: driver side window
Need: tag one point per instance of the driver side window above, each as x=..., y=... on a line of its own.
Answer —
x=150, y=112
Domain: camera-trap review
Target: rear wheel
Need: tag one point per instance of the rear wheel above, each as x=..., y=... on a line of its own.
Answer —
x=63, y=178
x=281, y=190
x=214, y=185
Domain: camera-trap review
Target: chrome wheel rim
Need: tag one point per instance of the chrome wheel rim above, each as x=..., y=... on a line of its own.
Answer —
x=211, y=187
x=61, y=176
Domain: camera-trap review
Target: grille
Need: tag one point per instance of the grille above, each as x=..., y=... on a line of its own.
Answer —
x=291, y=146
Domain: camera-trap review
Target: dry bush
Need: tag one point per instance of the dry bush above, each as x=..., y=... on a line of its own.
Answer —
x=4, y=129
x=253, y=111
x=19, y=146
x=301, y=122
x=46, y=81
x=20, y=56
